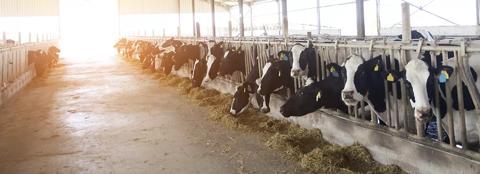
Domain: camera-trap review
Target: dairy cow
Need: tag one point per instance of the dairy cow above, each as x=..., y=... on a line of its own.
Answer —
x=420, y=76
x=365, y=82
x=325, y=93
x=275, y=76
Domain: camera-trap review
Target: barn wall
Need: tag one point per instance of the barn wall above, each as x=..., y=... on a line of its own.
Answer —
x=10, y=8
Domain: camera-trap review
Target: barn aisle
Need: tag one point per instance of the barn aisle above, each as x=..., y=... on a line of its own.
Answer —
x=107, y=116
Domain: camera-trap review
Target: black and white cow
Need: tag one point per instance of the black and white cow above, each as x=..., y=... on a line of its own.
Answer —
x=275, y=76
x=304, y=61
x=420, y=76
x=325, y=93
x=214, y=60
x=241, y=98
x=365, y=82
x=234, y=60
x=199, y=72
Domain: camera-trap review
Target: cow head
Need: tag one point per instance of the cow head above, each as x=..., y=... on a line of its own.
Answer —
x=241, y=98
x=172, y=43
x=420, y=76
x=296, y=52
x=365, y=79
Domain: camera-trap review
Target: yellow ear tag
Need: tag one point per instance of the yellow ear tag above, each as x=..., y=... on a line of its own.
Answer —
x=332, y=69
x=319, y=95
x=375, y=68
x=390, y=77
x=444, y=72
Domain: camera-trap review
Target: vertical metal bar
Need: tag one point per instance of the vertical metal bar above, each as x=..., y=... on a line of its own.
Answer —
x=241, y=26
x=193, y=18
x=285, y=20
x=179, y=29
x=387, y=95
x=478, y=12
x=19, y=38
x=360, y=19
x=279, y=17
x=394, y=90
x=461, y=106
x=251, y=18
x=437, y=97
x=379, y=26
x=406, y=28
x=448, y=88
x=319, y=26
x=212, y=3
x=405, y=100
x=317, y=63
x=4, y=36
x=29, y=37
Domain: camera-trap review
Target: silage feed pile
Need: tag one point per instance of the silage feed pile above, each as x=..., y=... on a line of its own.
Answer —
x=304, y=146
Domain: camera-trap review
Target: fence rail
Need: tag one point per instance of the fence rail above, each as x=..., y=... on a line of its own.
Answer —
x=337, y=52
x=14, y=60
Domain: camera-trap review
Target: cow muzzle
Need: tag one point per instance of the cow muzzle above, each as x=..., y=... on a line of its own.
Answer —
x=422, y=114
x=349, y=97
x=295, y=72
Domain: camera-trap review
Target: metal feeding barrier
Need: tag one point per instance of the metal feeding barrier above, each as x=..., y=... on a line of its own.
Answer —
x=14, y=61
x=338, y=51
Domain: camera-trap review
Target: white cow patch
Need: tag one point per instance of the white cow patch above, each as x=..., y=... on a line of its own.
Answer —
x=296, y=51
x=351, y=67
x=416, y=72
x=264, y=71
x=210, y=60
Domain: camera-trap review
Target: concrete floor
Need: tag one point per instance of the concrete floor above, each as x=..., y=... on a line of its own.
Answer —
x=109, y=117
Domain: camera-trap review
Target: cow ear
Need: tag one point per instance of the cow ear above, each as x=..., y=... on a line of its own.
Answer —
x=443, y=73
x=392, y=76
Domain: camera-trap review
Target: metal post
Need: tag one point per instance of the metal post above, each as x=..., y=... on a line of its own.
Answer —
x=360, y=19
x=193, y=16
x=4, y=36
x=179, y=19
x=212, y=3
x=279, y=18
x=198, y=30
x=38, y=37
x=29, y=36
x=251, y=18
x=406, y=28
x=379, y=26
x=241, y=26
x=478, y=15
x=285, y=20
x=229, y=22
x=19, y=38
x=319, y=27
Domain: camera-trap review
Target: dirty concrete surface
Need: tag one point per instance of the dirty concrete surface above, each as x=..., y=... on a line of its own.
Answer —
x=107, y=116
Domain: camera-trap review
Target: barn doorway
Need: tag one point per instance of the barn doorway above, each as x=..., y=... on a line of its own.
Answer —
x=88, y=28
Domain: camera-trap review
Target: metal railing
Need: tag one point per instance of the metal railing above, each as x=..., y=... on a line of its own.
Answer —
x=338, y=51
x=14, y=60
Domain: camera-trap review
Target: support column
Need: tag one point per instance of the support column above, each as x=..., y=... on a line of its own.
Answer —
x=478, y=16
x=279, y=18
x=241, y=26
x=193, y=18
x=212, y=3
x=379, y=26
x=229, y=22
x=360, y=20
x=251, y=18
x=406, y=28
x=179, y=29
x=285, y=20
x=318, y=18
x=4, y=36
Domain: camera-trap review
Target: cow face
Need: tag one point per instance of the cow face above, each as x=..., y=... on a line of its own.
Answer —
x=306, y=100
x=350, y=94
x=420, y=78
x=241, y=99
x=297, y=51
x=365, y=80
x=172, y=43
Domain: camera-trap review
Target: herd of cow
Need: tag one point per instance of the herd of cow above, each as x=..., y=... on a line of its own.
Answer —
x=43, y=60
x=357, y=80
